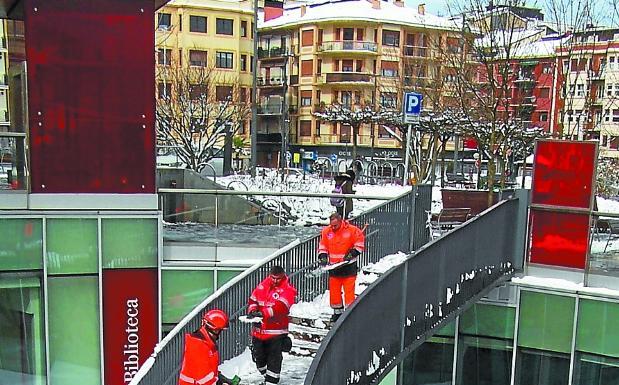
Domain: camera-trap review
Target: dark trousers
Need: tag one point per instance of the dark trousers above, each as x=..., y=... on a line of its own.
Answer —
x=267, y=354
x=345, y=210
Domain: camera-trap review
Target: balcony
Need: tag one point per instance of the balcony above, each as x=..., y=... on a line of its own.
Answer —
x=525, y=78
x=270, y=82
x=272, y=53
x=414, y=51
x=348, y=46
x=275, y=108
x=348, y=77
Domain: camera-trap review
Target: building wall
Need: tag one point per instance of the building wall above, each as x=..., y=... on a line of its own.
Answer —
x=324, y=67
x=538, y=337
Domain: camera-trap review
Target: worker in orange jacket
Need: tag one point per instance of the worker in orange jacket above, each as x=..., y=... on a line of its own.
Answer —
x=271, y=300
x=341, y=241
x=201, y=358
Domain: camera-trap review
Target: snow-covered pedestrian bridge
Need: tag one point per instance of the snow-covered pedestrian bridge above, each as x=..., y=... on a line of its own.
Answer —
x=395, y=314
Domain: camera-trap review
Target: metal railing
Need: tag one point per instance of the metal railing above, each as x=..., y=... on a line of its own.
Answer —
x=420, y=296
x=346, y=45
x=389, y=230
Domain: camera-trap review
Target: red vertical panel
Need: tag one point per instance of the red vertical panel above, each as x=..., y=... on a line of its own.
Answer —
x=129, y=321
x=563, y=173
x=559, y=239
x=91, y=95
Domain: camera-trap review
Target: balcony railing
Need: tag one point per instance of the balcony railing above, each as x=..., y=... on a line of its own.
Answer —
x=348, y=77
x=273, y=81
x=347, y=45
x=414, y=51
x=270, y=109
x=13, y=171
x=271, y=53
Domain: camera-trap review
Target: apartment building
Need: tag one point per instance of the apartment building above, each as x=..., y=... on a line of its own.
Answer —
x=588, y=88
x=215, y=35
x=352, y=53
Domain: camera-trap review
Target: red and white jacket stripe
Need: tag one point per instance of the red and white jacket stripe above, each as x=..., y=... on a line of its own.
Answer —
x=274, y=301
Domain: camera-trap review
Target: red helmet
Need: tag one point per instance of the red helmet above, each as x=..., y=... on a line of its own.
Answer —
x=216, y=320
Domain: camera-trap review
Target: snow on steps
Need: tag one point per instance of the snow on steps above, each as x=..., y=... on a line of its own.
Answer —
x=310, y=321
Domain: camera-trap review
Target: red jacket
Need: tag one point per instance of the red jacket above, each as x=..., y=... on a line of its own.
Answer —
x=200, y=360
x=274, y=302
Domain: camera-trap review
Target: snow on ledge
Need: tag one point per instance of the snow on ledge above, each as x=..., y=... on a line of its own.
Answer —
x=563, y=285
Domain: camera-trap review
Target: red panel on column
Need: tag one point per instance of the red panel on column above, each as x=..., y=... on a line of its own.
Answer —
x=91, y=95
x=563, y=173
x=130, y=320
x=559, y=239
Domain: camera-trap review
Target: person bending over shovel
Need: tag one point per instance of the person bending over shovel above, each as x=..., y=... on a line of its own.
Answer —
x=340, y=243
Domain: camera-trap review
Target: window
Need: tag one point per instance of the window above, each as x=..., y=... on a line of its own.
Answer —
x=164, y=90
x=347, y=66
x=180, y=22
x=607, y=115
x=223, y=93
x=566, y=66
x=359, y=65
x=615, y=116
x=317, y=133
x=609, y=88
x=616, y=89
x=391, y=38
x=307, y=67
x=251, y=63
x=389, y=69
x=198, y=58
x=348, y=34
x=243, y=28
x=243, y=63
x=243, y=94
x=197, y=24
x=306, y=98
x=224, y=27
x=611, y=62
x=307, y=38
x=543, y=116
x=319, y=67
x=164, y=21
x=359, y=34
x=198, y=91
x=580, y=90
x=305, y=128
x=388, y=99
x=224, y=59
x=180, y=56
x=346, y=98
x=164, y=56
x=546, y=68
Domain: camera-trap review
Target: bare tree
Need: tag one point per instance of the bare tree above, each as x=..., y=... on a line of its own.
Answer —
x=197, y=111
x=353, y=115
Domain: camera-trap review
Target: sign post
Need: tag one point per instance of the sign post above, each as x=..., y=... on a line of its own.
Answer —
x=411, y=108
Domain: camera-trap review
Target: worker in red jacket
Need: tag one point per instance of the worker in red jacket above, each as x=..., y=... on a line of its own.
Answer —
x=271, y=300
x=341, y=241
x=201, y=358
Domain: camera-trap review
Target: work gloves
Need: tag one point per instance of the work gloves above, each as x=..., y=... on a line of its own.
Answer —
x=323, y=259
x=353, y=253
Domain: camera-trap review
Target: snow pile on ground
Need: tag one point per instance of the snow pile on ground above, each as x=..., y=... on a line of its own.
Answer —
x=607, y=205
x=303, y=211
x=318, y=308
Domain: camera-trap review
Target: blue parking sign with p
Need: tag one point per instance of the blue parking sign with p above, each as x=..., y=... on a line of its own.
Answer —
x=412, y=105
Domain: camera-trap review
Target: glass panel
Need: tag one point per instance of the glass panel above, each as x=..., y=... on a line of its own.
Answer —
x=592, y=369
x=182, y=290
x=489, y=321
x=541, y=368
x=224, y=276
x=72, y=246
x=129, y=242
x=597, y=330
x=546, y=321
x=21, y=244
x=448, y=330
x=484, y=361
x=74, y=344
x=22, y=341
x=430, y=364
x=604, y=245
x=12, y=155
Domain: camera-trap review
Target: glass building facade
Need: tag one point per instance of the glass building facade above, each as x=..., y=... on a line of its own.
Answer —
x=541, y=337
x=51, y=312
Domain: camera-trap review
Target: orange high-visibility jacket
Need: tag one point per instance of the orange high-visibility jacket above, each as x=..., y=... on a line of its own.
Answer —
x=338, y=243
x=200, y=360
x=274, y=301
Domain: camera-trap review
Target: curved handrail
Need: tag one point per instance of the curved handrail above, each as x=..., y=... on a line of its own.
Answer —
x=391, y=224
x=413, y=299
